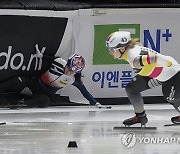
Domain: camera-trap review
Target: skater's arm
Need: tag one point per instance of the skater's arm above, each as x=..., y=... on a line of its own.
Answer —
x=157, y=59
x=84, y=92
x=78, y=84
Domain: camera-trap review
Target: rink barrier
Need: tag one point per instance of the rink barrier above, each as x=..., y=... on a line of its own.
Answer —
x=63, y=9
x=75, y=5
x=64, y=101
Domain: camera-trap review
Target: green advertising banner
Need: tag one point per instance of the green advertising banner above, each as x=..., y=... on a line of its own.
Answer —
x=101, y=32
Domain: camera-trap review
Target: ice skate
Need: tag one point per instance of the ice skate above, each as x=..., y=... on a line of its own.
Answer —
x=175, y=120
x=17, y=104
x=136, y=119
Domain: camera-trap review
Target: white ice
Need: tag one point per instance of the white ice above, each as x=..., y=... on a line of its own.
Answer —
x=49, y=130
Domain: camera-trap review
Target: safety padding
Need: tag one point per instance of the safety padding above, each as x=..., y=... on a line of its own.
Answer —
x=65, y=5
x=44, y=5
x=20, y=35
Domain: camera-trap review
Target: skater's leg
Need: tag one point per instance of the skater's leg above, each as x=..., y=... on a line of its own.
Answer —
x=23, y=88
x=40, y=98
x=15, y=84
x=11, y=89
x=37, y=101
x=133, y=90
x=171, y=92
x=9, y=99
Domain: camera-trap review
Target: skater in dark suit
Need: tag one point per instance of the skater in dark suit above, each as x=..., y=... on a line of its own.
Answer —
x=39, y=91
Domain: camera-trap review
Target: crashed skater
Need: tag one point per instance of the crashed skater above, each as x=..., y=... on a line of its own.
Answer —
x=63, y=74
x=37, y=92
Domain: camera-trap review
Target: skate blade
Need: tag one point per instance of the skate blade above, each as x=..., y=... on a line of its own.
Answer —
x=123, y=128
x=171, y=125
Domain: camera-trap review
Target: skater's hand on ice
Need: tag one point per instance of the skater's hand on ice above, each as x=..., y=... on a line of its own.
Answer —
x=100, y=106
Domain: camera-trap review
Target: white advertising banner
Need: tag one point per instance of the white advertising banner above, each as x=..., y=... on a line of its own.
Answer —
x=105, y=77
x=86, y=32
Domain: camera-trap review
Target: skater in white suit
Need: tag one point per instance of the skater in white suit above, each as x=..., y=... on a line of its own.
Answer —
x=153, y=69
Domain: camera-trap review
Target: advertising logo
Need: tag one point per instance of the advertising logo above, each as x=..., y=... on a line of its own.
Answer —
x=153, y=39
x=101, y=54
x=17, y=61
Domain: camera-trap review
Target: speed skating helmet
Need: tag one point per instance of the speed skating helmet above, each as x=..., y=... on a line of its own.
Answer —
x=118, y=39
x=76, y=63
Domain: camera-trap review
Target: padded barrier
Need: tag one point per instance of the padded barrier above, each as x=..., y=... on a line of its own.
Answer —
x=138, y=5
x=44, y=5
x=60, y=5
x=65, y=5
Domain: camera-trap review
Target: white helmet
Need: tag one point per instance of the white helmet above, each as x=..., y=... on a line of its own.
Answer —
x=117, y=39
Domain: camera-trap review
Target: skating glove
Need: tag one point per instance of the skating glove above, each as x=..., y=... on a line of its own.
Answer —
x=100, y=106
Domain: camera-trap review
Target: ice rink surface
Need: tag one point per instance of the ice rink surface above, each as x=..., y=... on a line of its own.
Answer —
x=49, y=130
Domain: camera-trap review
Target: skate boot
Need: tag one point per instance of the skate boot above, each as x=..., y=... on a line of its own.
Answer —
x=176, y=120
x=138, y=118
x=16, y=104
